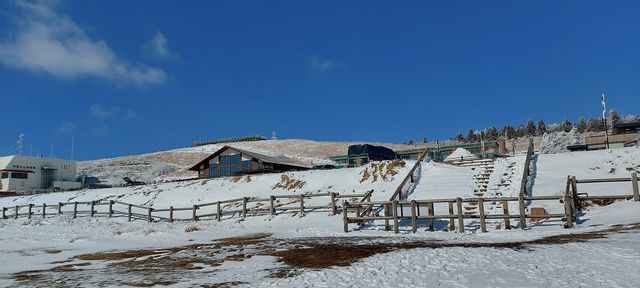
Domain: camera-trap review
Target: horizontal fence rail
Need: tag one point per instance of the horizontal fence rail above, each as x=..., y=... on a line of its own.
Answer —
x=232, y=208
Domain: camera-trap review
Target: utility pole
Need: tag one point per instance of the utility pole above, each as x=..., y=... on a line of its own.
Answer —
x=71, y=147
x=604, y=119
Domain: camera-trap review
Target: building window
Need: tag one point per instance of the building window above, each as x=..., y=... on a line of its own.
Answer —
x=230, y=164
x=18, y=175
x=5, y=175
x=246, y=165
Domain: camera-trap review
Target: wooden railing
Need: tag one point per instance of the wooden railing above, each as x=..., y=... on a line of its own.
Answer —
x=403, y=188
x=525, y=174
x=394, y=209
x=238, y=207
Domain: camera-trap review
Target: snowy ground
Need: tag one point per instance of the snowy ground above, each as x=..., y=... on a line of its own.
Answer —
x=48, y=252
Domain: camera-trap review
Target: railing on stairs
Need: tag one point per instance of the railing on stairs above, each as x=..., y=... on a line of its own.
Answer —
x=525, y=175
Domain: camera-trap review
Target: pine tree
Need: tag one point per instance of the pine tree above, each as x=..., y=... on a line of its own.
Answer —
x=520, y=132
x=594, y=125
x=542, y=128
x=531, y=128
x=581, y=127
x=613, y=115
x=566, y=125
x=471, y=136
x=459, y=137
x=491, y=133
x=508, y=131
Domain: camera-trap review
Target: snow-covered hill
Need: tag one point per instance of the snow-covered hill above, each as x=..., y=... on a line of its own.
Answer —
x=173, y=164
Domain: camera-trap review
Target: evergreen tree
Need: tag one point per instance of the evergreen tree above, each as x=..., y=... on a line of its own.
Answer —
x=581, y=127
x=491, y=134
x=508, y=131
x=459, y=137
x=594, y=125
x=613, y=115
x=542, y=128
x=521, y=131
x=566, y=125
x=531, y=128
x=471, y=136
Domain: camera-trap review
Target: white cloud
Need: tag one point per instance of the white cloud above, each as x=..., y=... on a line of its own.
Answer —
x=324, y=64
x=103, y=112
x=46, y=41
x=102, y=130
x=66, y=127
x=158, y=47
x=129, y=114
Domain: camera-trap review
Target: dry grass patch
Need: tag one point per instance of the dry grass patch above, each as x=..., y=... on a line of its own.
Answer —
x=288, y=183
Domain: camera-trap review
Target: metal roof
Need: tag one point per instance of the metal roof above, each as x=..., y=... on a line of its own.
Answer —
x=264, y=157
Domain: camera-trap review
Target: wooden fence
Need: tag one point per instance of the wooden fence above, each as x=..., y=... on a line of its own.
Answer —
x=393, y=211
x=238, y=207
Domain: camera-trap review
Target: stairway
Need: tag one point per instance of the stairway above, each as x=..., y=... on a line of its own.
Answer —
x=483, y=169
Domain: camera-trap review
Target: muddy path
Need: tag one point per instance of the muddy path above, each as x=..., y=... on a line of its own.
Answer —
x=286, y=257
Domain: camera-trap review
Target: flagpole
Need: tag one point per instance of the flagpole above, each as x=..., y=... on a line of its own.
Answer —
x=604, y=118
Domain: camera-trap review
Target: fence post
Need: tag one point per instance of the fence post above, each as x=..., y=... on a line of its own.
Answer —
x=44, y=210
x=634, y=183
x=129, y=213
x=93, y=204
x=75, y=209
x=149, y=214
x=59, y=207
x=505, y=210
x=301, y=205
x=452, y=220
x=110, y=208
x=396, y=229
x=4, y=213
x=431, y=213
x=345, y=218
x=219, y=211
x=574, y=196
x=460, y=215
x=483, y=224
x=384, y=206
x=523, y=216
x=414, y=224
x=244, y=207
x=171, y=214
x=334, y=209
x=16, y=216
x=567, y=211
x=29, y=211
x=194, y=216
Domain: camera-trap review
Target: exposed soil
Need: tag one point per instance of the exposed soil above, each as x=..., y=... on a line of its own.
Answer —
x=151, y=267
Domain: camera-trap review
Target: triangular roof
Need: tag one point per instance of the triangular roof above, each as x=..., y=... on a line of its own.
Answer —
x=461, y=153
x=265, y=157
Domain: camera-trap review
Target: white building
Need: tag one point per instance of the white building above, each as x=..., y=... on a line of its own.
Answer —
x=36, y=174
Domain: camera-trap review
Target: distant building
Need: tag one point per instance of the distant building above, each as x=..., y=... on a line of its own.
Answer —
x=230, y=140
x=35, y=174
x=598, y=141
x=230, y=161
x=626, y=128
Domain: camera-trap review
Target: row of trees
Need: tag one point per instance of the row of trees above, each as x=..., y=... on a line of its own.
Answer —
x=538, y=129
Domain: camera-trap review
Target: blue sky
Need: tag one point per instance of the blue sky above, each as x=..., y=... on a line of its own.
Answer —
x=126, y=77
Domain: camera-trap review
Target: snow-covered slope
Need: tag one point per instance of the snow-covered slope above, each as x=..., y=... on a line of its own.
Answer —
x=187, y=193
x=550, y=172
